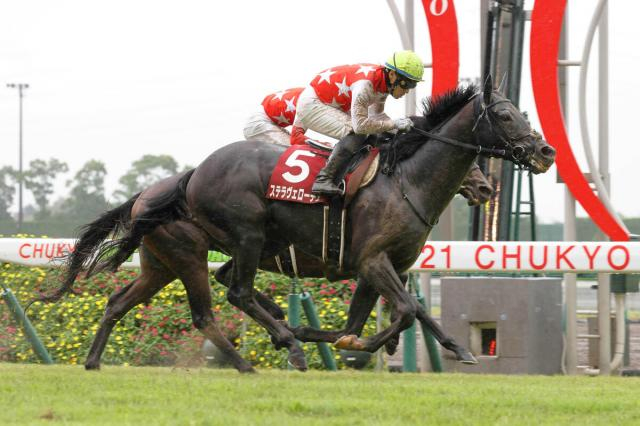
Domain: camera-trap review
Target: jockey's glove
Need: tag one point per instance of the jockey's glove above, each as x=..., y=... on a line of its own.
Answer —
x=403, y=124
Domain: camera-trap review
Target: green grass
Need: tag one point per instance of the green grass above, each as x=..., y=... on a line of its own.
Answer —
x=35, y=394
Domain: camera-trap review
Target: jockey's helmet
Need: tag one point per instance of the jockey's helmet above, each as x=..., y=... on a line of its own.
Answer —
x=407, y=64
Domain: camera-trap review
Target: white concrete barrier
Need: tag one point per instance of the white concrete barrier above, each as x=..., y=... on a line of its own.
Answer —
x=436, y=256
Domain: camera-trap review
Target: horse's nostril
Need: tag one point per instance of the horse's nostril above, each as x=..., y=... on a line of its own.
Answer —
x=548, y=151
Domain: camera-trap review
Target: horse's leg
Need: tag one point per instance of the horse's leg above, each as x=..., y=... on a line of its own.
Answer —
x=392, y=345
x=153, y=277
x=447, y=342
x=379, y=271
x=223, y=276
x=362, y=302
x=241, y=293
x=427, y=323
x=243, y=230
x=183, y=249
x=196, y=281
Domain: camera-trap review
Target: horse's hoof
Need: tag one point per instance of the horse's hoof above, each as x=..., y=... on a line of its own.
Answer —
x=298, y=366
x=467, y=357
x=297, y=360
x=350, y=342
x=391, y=346
x=247, y=370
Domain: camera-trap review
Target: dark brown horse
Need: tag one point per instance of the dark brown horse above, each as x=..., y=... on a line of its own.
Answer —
x=158, y=260
x=388, y=224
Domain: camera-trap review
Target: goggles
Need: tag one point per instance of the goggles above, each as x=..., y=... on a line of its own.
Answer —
x=407, y=84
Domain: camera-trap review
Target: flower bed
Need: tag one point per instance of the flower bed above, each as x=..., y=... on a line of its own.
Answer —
x=160, y=331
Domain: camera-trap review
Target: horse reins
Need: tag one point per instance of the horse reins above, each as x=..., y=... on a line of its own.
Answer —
x=516, y=155
x=478, y=149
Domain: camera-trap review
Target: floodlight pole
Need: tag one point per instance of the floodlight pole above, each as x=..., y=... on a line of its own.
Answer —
x=21, y=87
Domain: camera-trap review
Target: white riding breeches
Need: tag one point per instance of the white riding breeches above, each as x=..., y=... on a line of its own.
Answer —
x=259, y=127
x=313, y=114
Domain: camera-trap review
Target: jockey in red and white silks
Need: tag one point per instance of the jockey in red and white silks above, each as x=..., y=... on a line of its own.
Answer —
x=347, y=103
x=345, y=99
x=277, y=111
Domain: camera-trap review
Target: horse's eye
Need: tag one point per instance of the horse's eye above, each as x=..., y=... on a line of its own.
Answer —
x=504, y=116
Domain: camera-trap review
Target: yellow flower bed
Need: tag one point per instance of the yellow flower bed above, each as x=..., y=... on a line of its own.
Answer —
x=159, y=332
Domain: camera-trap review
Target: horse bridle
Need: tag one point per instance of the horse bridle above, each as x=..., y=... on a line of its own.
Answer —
x=516, y=154
x=504, y=150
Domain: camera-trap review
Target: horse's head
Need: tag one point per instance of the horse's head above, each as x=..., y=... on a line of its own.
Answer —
x=475, y=187
x=499, y=124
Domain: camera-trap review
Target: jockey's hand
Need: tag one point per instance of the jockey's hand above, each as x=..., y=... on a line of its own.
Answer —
x=403, y=124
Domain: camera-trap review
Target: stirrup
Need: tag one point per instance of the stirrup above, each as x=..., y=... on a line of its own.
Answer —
x=330, y=191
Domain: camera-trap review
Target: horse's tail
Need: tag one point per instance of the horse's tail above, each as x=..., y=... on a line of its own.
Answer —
x=91, y=240
x=166, y=208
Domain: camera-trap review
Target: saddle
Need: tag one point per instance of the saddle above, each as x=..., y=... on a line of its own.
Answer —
x=292, y=178
x=361, y=171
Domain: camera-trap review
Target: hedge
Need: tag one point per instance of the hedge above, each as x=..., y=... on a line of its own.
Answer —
x=158, y=332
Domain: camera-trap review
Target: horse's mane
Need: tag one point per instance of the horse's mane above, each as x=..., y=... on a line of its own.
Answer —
x=435, y=110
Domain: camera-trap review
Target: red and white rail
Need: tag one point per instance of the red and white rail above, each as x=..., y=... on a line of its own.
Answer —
x=436, y=256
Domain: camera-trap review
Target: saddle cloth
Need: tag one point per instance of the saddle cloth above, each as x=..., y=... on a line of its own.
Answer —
x=298, y=166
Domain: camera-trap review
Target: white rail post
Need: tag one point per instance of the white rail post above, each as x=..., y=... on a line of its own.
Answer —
x=569, y=228
x=604, y=280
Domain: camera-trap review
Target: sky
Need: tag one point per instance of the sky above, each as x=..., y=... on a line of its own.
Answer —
x=116, y=80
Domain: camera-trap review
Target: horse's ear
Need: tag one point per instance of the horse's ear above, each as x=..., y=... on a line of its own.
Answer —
x=503, y=84
x=488, y=90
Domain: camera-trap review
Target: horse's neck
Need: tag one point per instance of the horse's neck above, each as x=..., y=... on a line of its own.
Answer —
x=436, y=171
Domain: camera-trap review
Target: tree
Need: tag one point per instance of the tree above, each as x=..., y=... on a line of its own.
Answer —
x=39, y=180
x=145, y=172
x=89, y=180
x=87, y=198
x=7, y=191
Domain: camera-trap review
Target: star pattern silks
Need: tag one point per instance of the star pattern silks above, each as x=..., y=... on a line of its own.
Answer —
x=280, y=107
x=334, y=85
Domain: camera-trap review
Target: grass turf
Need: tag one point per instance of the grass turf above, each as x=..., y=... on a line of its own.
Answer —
x=36, y=394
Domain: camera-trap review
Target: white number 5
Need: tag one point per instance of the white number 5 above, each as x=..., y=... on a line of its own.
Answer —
x=293, y=161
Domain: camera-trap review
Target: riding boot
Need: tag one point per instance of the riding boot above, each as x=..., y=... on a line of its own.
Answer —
x=336, y=165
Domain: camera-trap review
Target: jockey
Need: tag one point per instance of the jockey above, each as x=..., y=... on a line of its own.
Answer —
x=277, y=112
x=347, y=103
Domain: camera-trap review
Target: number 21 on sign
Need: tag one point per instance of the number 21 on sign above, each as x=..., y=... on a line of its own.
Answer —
x=430, y=251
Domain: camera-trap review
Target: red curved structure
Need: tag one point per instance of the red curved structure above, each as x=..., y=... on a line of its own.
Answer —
x=546, y=24
x=443, y=30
